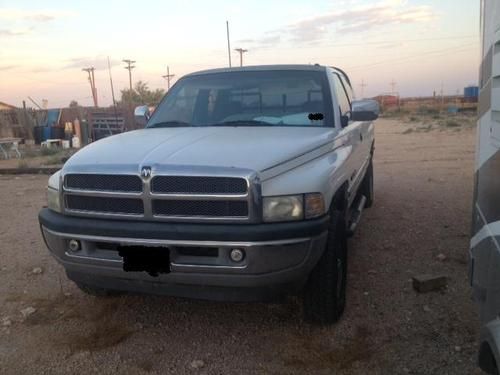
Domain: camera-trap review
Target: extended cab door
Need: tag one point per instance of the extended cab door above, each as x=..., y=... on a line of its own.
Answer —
x=353, y=133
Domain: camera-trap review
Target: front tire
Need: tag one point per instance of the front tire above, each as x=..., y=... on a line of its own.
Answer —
x=325, y=292
x=97, y=292
x=367, y=185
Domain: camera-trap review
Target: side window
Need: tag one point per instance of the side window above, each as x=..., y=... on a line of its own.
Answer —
x=344, y=103
x=348, y=89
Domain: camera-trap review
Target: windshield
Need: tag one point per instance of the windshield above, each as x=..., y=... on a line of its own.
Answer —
x=247, y=98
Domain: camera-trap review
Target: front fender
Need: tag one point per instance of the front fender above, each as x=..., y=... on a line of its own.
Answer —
x=325, y=174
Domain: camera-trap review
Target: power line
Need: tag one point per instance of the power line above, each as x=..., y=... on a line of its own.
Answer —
x=241, y=51
x=315, y=46
x=435, y=52
x=168, y=76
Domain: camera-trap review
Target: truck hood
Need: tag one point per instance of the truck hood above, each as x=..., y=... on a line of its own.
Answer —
x=255, y=148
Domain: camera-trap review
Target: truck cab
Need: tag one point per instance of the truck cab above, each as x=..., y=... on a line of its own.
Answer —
x=244, y=184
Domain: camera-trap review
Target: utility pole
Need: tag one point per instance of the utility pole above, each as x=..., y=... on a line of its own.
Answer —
x=363, y=85
x=35, y=103
x=167, y=77
x=111, y=82
x=130, y=115
x=90, y=72
x=112, y=90
x=393, y=86
x=442, y=96
x=129, y=67
x=241, y=51
x=228, y=43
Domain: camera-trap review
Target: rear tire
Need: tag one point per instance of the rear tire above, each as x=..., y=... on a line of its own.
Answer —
x=367, y=185
x=325, y=292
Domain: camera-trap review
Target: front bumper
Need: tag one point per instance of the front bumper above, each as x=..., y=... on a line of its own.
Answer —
x=278, y=257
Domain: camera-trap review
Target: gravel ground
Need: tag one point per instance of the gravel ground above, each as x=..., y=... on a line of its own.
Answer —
x=423, y=193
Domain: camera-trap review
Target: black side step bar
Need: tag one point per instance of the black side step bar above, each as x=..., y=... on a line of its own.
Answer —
x=356, y=216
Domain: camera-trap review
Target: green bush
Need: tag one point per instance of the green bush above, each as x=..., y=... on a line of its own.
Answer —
x=452, y=124
x=45, y=151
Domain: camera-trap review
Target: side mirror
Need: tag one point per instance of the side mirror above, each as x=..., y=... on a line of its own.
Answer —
x=365, y=110
x=142, y=115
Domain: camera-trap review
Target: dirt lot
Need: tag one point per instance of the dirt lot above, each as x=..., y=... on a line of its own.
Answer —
x=423, y=190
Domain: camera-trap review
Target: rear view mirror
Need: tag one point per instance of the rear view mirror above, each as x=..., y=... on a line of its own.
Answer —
x=365, y=110
x=142, y=115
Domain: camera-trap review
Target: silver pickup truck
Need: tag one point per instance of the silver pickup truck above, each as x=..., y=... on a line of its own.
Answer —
x=245, y=184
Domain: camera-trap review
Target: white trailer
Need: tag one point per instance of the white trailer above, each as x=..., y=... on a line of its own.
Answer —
x=485, y=243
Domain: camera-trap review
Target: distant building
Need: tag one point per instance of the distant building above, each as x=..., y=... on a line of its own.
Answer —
x=387, y=102
x=5, y=106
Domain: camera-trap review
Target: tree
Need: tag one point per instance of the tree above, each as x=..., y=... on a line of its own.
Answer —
x=141, y=95
x=74, y=104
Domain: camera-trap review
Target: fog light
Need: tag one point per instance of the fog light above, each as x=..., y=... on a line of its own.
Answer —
x=74, y=245
x=237, y=255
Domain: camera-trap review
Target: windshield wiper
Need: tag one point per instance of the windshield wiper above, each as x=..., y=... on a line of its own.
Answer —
x=169, y=124
x=242, y=123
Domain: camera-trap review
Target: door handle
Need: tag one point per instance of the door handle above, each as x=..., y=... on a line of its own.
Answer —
x=361, y=137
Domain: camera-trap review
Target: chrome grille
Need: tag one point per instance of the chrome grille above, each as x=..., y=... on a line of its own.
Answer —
x=198, y=185
x=189, y=195
x=127, y=206
x=200, y=208
x=104, y=182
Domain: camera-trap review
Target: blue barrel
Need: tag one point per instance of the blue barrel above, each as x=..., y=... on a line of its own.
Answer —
x=471, y=92
x=46, y=133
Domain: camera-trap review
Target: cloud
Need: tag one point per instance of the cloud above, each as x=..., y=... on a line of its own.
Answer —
x=358, y=19
x=12, y=14
x=7, y=67
x=245, y=41
x=7, y=32
x=270, y=39
x=98, y=62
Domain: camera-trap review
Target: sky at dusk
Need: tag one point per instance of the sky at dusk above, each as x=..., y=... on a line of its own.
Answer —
x=420, y=44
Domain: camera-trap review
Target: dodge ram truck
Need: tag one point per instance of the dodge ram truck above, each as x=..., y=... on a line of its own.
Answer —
x=244, y=184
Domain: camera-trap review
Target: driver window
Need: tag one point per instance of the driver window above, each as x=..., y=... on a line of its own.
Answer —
x=343, y=100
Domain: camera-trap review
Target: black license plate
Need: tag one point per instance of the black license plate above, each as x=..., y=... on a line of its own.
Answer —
x=153, y=260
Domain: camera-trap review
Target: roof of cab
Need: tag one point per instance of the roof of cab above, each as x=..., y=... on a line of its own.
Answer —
x=310, y=67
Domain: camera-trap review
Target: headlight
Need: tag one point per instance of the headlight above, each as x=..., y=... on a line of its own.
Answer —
x=283, y=208
x=293, y=207
x=53, y=193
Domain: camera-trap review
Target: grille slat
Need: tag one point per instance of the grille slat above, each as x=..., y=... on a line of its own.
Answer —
x=200, y=208
x=104, y=182
x=198, y=185
x=125, y=206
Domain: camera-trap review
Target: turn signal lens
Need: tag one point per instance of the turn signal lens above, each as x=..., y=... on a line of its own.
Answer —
x=314, y=205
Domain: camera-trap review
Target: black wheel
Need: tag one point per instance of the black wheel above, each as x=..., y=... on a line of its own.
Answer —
x=97, y=292
x=367, y=186
x=325, y=292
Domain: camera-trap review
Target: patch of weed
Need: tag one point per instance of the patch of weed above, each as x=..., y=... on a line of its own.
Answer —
x=46, y=151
